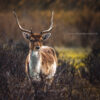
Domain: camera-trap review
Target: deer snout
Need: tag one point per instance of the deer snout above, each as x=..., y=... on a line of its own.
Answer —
x=37, y=47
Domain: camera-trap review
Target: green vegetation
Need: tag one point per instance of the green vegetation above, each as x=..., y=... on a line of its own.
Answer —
x=75, y=56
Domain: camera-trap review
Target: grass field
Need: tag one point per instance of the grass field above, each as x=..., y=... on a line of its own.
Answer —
x=67, y=85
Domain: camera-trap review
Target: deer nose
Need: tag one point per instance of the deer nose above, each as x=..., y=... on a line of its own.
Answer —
x=37, y=47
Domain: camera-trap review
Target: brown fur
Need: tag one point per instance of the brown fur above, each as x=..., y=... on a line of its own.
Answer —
x=48, y=56
x=37, y=38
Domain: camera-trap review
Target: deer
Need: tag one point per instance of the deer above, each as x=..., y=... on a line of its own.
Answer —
x=41, y=60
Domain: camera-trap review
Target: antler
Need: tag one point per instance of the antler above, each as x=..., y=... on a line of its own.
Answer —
x=51, y=26
x=21, y=28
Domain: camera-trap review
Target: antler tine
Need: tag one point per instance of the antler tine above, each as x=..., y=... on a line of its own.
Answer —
x=51, y=26
x=21, y=28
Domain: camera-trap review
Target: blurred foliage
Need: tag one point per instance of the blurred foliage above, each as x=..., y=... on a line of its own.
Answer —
x=50, y=4
x=68, y=26
x=81, y=16
x=73, y=56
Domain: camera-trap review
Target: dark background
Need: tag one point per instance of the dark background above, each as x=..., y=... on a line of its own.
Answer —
x=77, y=23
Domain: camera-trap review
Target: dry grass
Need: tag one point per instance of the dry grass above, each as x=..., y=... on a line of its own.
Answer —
x=67, y=84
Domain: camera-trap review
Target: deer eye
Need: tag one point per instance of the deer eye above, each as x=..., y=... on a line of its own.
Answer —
x=31, y=40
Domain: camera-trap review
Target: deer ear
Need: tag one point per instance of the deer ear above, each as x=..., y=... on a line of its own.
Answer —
x=46, y=36
x=26, y=35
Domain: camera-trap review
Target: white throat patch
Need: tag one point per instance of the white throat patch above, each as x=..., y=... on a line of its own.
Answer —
x=34, y=63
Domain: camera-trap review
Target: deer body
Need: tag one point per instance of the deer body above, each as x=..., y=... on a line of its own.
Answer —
x=44, y=61
x=41, y=60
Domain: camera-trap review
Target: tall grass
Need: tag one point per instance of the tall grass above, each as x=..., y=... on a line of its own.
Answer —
x=67, y=83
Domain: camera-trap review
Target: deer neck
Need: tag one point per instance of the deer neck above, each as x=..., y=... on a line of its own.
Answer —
x=34, y=63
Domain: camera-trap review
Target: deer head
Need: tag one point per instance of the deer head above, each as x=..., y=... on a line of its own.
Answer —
x=35, y=39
